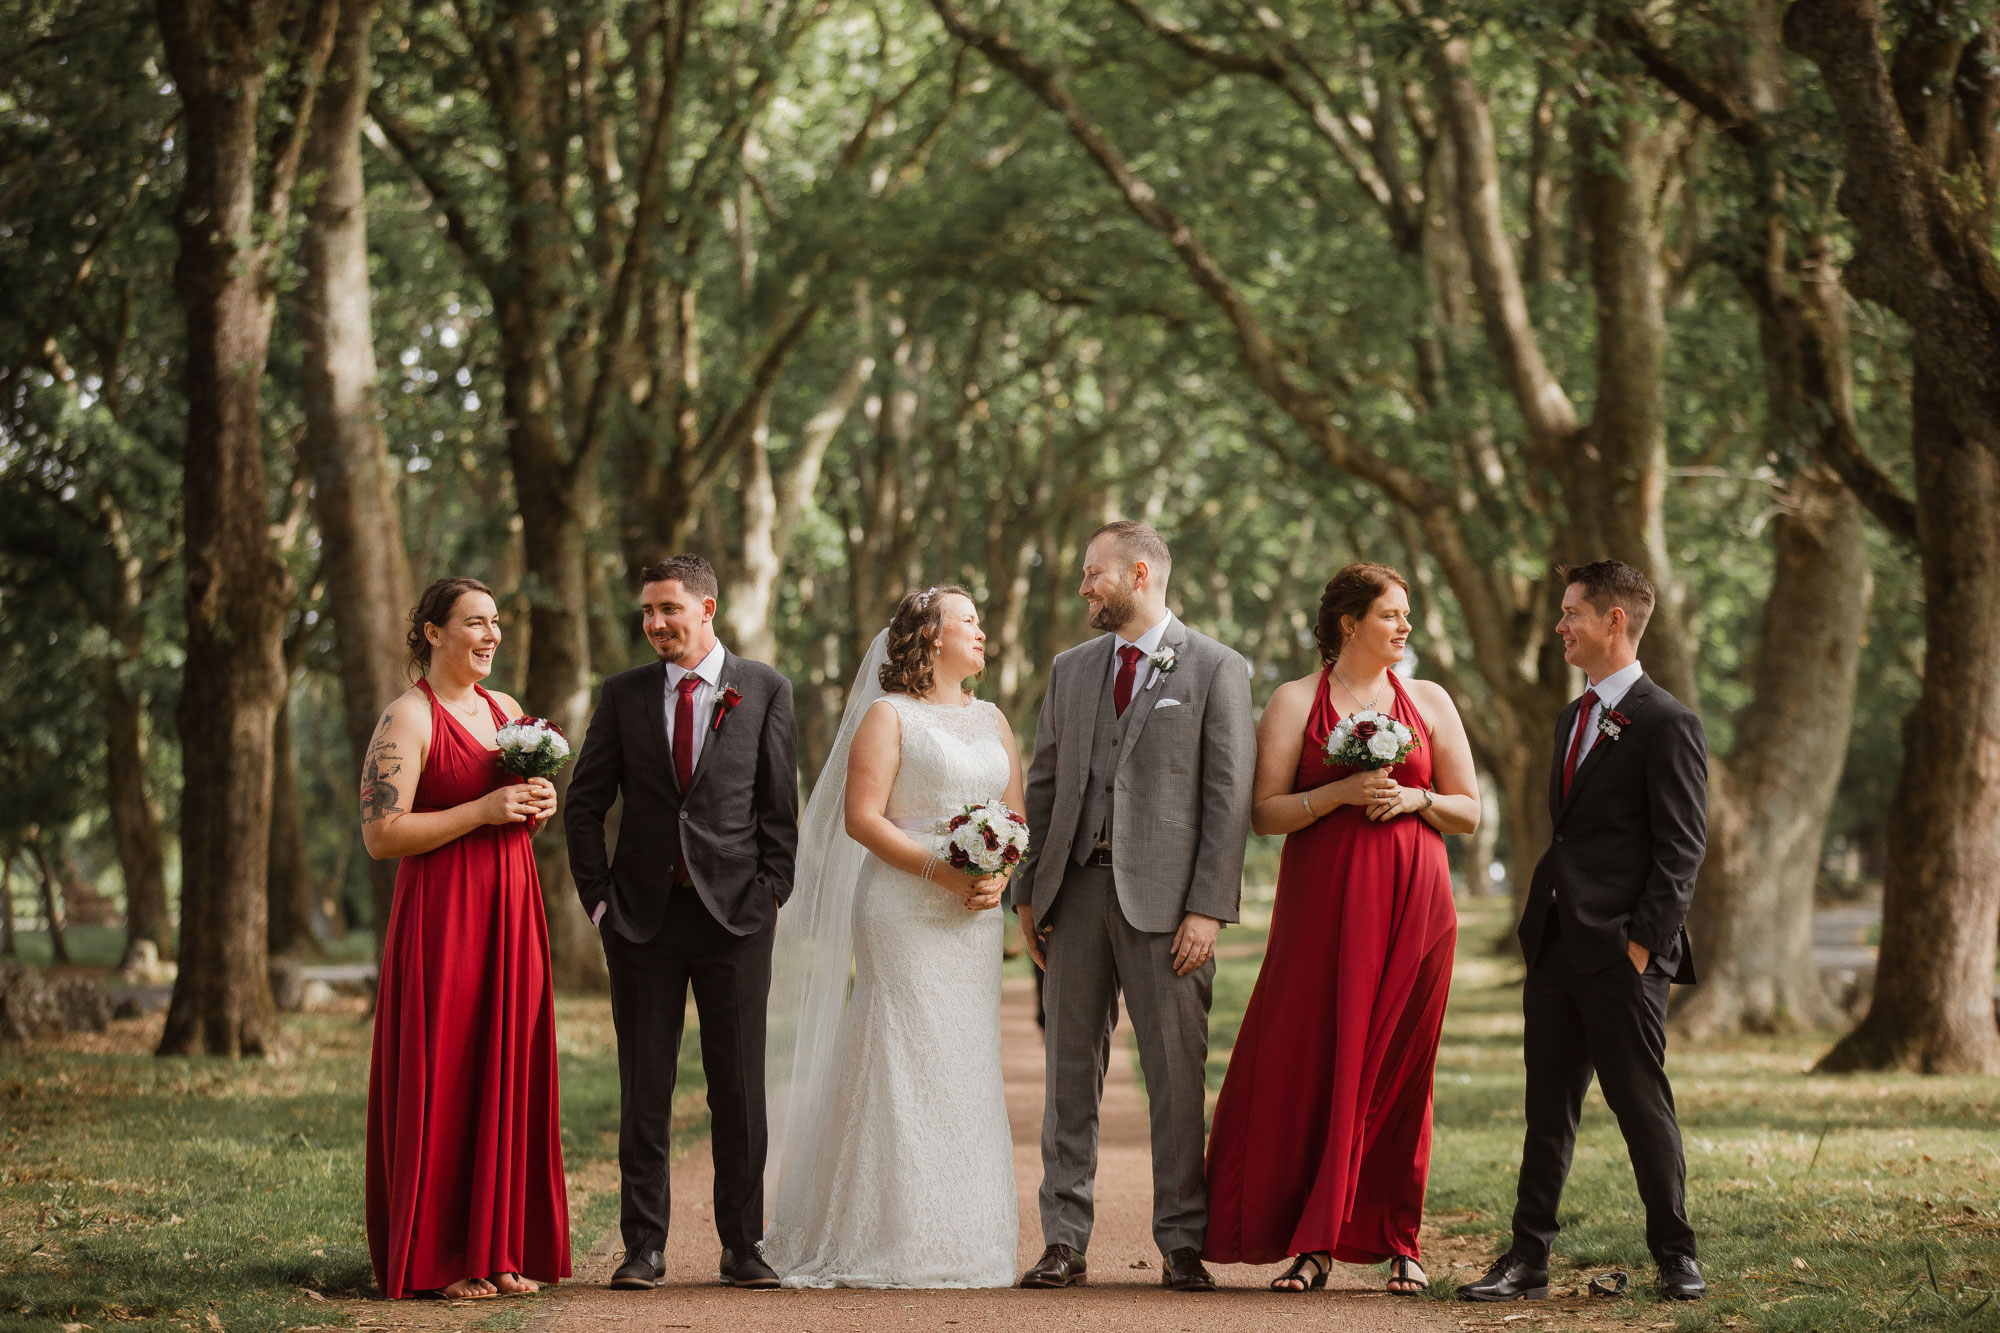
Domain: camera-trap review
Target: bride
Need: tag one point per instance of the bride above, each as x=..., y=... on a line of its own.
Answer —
x=891, y=1160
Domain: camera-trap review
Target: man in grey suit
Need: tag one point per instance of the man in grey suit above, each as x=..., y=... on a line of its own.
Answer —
x=1138, y=810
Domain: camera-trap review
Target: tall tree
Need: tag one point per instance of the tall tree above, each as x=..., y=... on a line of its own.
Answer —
x=353, y=496
x=1917, y=110
x=233, y=215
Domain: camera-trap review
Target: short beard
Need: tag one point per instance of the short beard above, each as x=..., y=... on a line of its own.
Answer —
x=1114, y=609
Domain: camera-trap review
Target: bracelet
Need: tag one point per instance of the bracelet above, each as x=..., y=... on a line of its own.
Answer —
x=1306, y=800
x=1430, y=798
x=930, y=864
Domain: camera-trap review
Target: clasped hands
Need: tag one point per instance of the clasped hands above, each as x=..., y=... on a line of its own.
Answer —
x=518, y=802
x=1384, y=798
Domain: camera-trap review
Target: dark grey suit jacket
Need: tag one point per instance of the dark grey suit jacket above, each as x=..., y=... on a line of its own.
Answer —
x=738, y=820
x=1629, y=839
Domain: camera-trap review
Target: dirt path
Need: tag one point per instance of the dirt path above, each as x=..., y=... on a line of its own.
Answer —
x=1124, y=1266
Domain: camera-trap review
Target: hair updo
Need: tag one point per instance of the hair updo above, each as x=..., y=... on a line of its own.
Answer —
x=433, y=608
x=913, y=639
x=1350, y=593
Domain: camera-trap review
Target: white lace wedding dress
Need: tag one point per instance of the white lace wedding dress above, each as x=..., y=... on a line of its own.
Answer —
x=908, y=1180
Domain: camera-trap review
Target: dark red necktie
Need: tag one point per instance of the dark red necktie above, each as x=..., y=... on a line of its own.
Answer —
x=684, y=730
x=1576, y=741
x=1121, y=692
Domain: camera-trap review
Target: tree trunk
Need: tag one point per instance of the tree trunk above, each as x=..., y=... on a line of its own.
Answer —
x=51, y=899
x=135, y=822
x=554, y=501
x=354, y=500
x=237, y=591
x=1923, y=219
x=9, y=947
x=135, y=819
x=1932, y=1009
x=1768, y=801
x=288, y=885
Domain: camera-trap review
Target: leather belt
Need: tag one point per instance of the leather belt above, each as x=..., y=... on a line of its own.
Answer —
x=1100, y=857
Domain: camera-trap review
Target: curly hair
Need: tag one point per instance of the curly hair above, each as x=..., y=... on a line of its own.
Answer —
x=1350, y=593
x=913, y=637
x=432, y=609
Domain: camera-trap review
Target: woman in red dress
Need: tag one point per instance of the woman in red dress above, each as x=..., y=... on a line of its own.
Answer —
x=465, y=1170
x=1321, y=1141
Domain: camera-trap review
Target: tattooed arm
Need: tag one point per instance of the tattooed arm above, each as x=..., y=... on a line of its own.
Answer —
x=390, y=826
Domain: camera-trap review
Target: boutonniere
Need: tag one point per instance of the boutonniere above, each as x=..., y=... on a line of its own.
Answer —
x=1164, y=663
x=724, y=703
x=1613, y=724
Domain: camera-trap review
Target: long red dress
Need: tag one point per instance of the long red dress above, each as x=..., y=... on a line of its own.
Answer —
x=465, y=1169
x=1322, y=1131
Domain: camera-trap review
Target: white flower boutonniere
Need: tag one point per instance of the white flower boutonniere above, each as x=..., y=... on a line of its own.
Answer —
x=1163, y=662
x=1613, y=723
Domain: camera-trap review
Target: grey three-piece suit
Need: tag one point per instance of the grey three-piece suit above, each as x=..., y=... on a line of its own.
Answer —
x=1167, y=786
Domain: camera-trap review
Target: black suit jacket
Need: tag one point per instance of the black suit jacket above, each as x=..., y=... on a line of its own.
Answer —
x=738, y=820
x=1629, y=839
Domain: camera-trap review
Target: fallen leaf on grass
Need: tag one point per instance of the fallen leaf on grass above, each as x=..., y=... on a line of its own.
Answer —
x=310, y=1294
x=74, y=1328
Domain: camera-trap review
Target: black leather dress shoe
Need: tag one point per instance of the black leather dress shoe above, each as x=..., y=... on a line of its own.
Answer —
x=641, y=1272
x=747, y=1269
x=1182, y=1271
x=1680, y=1280
x=1510, y=1279
x=1059, y=1266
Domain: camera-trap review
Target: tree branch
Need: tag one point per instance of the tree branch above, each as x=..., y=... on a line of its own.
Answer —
x=404, y=143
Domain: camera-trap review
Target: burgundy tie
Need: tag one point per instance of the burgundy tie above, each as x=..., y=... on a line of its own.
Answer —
x=684, y=730
x=1121, y=692
x=1576, y=741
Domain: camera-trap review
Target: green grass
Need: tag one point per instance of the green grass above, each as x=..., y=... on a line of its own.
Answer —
x=89, y=946
x=1821, y=1203
x=152, y=1193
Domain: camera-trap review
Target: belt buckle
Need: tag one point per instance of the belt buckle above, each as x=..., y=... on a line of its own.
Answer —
x=1100, y=857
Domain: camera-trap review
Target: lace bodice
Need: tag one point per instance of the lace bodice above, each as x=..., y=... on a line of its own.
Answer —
x=952, y=757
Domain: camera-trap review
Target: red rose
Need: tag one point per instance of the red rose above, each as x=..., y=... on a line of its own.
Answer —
x=1363, y=730
x=1020, y=819
x=724, y=703
x=959, y=860
x=1010, y=854
x=958, y=822
x=992, y=838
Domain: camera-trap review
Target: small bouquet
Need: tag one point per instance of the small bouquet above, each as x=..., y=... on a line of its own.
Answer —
x=1370, y=740
x=532, y=747
x=987, y=839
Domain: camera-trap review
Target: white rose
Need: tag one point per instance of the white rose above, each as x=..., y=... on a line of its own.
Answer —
x=1383, y=746
x=1367, y=715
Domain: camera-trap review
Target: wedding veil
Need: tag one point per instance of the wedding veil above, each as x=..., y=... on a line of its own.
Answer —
x=812, y=959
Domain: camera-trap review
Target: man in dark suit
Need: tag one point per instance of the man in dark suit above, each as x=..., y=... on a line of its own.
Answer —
x=702, y=748
x=1603, y=934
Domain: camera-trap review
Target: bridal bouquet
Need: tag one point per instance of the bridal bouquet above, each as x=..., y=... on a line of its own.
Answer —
x=987, y=839
x=1370, y=740
x=532, y=747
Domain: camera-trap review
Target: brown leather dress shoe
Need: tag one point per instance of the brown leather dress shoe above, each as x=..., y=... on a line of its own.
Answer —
x=1182, y=1271
x=1059, y=1266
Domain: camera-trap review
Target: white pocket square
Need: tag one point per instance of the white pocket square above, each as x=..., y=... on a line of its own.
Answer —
x=1168, y=703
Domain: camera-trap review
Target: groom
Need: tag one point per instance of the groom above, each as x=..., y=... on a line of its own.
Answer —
x=701, y=747
x=1138, y=810
x=1602, y=933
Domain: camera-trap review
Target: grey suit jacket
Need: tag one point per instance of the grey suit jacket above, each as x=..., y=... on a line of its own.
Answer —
x=1181, y=816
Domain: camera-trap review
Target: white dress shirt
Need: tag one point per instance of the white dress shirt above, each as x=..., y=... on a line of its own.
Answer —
x=1610, y=691
x=1147, y=643
x=710, y=671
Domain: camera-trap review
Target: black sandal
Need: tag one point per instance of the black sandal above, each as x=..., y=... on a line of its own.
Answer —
x=1297, y=1273
x=1403, y=1268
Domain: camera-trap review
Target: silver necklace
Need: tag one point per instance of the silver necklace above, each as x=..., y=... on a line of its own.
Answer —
x=1368, y=707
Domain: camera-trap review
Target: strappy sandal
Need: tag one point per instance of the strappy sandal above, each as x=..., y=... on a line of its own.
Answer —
x=1317, y=1261
x=1403, y=1268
